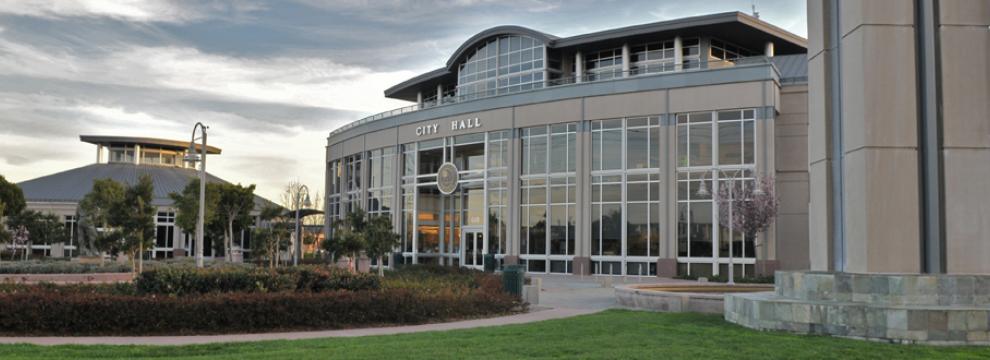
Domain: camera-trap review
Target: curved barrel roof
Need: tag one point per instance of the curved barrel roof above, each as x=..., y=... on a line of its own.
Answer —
x=735, y=27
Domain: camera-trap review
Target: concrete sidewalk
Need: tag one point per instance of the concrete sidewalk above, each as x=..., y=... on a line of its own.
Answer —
x=561, y=297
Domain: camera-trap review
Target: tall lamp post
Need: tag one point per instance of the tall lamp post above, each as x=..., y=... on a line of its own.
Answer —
x=297, y=251
x=192, y=158
x=703, y=191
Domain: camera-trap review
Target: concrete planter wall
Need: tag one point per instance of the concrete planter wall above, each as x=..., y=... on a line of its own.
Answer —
x=641, y=297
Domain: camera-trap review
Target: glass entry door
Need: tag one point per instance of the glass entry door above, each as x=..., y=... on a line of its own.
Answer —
x=474, y=249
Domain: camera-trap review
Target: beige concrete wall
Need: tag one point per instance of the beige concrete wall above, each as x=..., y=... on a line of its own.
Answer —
x=714, y=97
x=820, y=239
x=548, y=113
x=965, y=45
x=58, y=208
x=616, y=106
x=380, y=139
x=880, y=140
x=791, y=166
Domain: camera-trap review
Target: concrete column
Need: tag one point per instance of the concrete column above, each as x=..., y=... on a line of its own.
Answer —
x=137, y=154
x=821, y=208
x=625, y=60
x=419, y=99
x=513, y=208
x=678, y=53
x=439, y=93
x=874, y=187
x=963, y=38
x=99, y=154
x=397, y=200
x=582, y=249
x=578, y=67
x=768, y=49
x=667, y=262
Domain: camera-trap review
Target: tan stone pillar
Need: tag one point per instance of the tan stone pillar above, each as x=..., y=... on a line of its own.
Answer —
x=964, y=43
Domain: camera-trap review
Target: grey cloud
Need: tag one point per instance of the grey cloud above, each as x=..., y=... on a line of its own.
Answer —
x=33, y=117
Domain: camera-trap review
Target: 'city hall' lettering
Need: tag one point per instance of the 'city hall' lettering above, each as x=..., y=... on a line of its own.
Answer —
x=426, y=130
x=465, y=124
x=430, y=129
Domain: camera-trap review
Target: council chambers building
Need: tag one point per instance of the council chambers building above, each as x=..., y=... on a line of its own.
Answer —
x=592, y=154
x=125, y=159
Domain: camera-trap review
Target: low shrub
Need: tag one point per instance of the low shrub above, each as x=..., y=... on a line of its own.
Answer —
x=60, y=267
x=427, y=277
x=179, y=280
x=42, y=312
x=769, y=279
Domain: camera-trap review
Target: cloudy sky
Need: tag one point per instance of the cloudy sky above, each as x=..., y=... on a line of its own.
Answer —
x=270, y=78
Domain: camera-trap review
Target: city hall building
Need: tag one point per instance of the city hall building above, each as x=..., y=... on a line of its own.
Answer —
x=591, y=154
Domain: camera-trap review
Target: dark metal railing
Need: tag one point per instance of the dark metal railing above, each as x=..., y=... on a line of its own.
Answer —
x=655, y=69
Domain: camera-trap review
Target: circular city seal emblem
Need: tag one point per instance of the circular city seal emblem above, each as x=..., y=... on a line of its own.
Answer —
x=447, y=178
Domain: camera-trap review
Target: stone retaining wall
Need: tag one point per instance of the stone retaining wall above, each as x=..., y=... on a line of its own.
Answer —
x=931, y=309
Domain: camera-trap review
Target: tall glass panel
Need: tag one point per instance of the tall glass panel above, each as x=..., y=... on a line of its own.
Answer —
x=498, y=193
x=625, y=195
x=702, y=172
x=547, y=196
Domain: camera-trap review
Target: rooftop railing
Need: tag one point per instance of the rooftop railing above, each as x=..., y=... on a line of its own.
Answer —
x=652, y=69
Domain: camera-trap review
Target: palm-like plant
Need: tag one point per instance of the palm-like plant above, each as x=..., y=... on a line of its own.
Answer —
x=348, y=236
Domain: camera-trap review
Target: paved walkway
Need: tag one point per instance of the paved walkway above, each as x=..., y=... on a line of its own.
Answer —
x=562, y=296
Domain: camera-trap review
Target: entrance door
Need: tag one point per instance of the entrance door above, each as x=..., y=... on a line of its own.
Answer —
x=474, y=249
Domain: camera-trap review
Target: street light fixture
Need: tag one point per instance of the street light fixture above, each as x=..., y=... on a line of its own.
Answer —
x=703, y=192
x=191, y=157
x=297, y=249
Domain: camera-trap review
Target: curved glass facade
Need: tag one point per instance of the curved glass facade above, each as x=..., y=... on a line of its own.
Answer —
x=634, y=184
x=502, y=65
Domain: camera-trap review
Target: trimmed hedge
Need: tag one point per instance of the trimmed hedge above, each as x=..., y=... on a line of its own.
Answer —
x=39, y=312
x=179, y=280
x=60, y=267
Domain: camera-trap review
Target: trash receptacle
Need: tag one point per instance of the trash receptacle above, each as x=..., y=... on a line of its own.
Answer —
x=490, y=263
x=513, y=279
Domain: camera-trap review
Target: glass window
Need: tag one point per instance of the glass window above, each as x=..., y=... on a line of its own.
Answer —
x=547, y=188
x=702, y=173
x=505, y=64
x=625, y=195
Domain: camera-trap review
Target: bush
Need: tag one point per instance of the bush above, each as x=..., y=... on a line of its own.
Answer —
x=42, y=312
x=725, y=278
x=179, y=280
x=60, y=267
x=436, y=277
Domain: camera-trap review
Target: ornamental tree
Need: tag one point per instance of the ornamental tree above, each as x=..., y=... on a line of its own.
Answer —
x=40, y=228
x=272, y=237
x=380, y=239
x=187, y=204
x=234, y=208
x=135, y=216
x=11, y=198
x=11, y=203
x=96, y=221
x=754, y=209
x=348, y=236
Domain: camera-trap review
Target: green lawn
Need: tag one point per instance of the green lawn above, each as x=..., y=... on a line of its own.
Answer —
x=614, y=334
